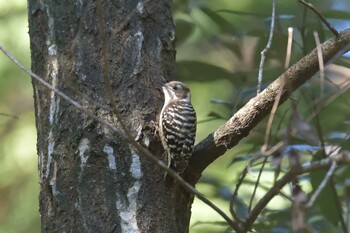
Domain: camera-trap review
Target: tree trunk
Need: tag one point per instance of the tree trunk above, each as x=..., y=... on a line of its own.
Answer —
x=91, y=178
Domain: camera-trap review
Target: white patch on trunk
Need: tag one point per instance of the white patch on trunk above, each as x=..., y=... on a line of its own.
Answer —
x=38, y=104
x=49, y=158
x=127, y=211
x=135, y=43
x=52, y=66
x=111, y=158
x=53, y=181
x=52, y=69
x=50, y=148
x=54, y=104
x=158, y=48
x=54, y=101
x=139, y=7
x=83, y=147
x=135, y=167
x=138, y=37
x=40, y=161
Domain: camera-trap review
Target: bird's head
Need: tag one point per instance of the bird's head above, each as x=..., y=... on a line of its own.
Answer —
x=176, y=90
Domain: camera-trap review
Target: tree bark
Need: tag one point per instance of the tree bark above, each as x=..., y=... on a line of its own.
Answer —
x=92, y=179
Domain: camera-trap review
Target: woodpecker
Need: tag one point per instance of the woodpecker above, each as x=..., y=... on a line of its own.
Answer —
x=177, y=125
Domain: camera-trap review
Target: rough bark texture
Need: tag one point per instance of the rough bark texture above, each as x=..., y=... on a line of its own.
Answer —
x=91, y=178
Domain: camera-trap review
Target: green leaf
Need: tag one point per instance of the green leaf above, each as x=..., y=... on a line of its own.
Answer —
x=200, y=71
x=337, y=14
x=222, y=23
x=253, y=14
x=216, y=115
x=241, y=208
x=327, y=199
x=184, y=29
x=241, y=158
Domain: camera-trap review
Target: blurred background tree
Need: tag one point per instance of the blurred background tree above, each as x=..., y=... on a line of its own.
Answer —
x=18, y=161
x=218, y=53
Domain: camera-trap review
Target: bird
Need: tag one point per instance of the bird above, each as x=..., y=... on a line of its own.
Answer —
x=177, y=125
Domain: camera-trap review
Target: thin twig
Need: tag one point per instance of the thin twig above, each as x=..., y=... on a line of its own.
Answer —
x=268, y=46
x=289, y=48
x=266, y=145
x=320, y=61
x=302, y=29
x=235, y=193
x=256, y=184
x=323, y=19
x=9, y=115
x=322, y=185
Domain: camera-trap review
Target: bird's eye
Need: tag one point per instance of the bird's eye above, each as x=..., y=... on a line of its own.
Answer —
x=177, y=87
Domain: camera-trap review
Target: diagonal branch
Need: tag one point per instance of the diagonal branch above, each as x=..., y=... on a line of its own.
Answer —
x=322, y=18
x=235, y=129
